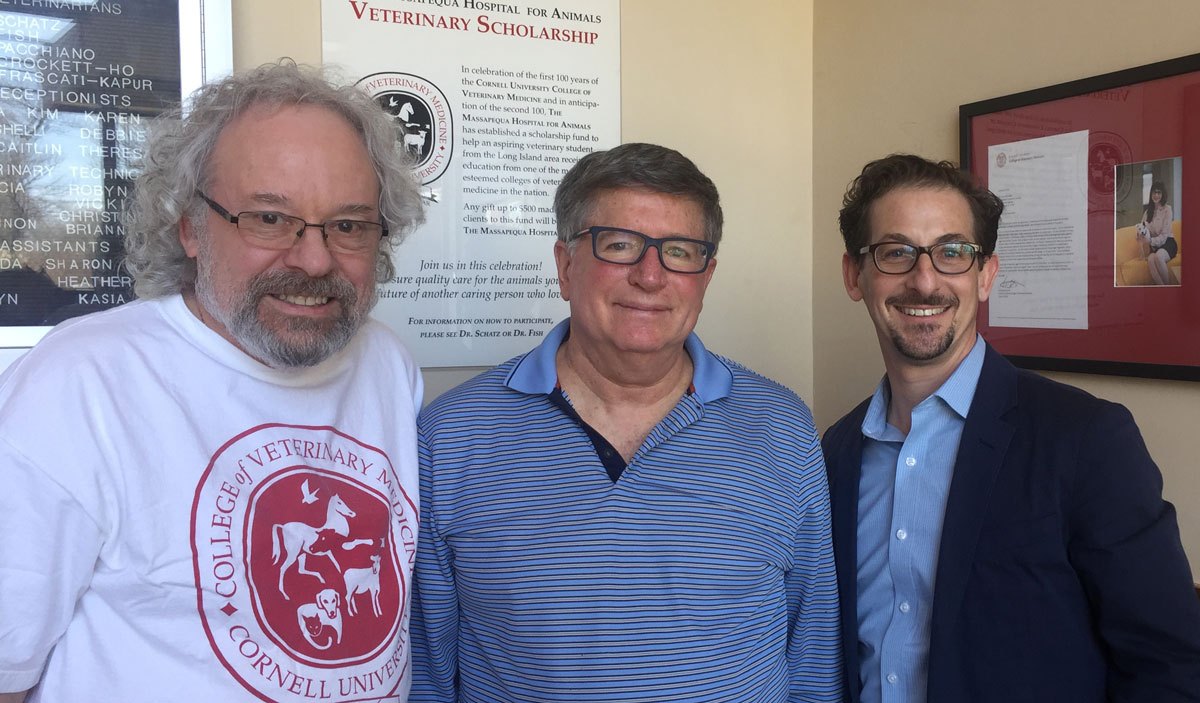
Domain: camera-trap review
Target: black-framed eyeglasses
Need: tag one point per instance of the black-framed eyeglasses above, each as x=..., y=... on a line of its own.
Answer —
x=267, y=229
x=950, y=258
x=627, y=247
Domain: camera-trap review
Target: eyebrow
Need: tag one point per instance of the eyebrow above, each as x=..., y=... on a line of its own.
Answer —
x=948, y=237
x=281, y=201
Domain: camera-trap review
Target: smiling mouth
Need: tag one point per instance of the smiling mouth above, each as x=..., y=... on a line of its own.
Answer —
x=924, y=312
x=308, y=301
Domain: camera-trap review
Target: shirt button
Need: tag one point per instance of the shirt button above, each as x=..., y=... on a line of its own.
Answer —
x=901, y=534
x=892, y=678
x=910, y=461
x=904, y=607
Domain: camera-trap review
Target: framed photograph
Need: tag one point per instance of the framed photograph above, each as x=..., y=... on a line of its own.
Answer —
x=81, y=82
x=1096, y=176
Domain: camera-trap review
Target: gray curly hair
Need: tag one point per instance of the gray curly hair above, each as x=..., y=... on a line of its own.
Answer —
x=176, y=166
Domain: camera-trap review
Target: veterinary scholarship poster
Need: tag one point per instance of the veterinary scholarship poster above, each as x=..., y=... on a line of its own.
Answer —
x=498, y=101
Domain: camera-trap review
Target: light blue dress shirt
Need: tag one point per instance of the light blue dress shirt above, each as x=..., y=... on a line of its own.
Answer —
x=901, y=506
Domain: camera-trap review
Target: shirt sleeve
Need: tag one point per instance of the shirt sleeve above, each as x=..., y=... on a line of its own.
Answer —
x=416, y=382
x=814, y=645
x=49, y=552
x=435, y=603
x=1160, y=228
x=1126, y=548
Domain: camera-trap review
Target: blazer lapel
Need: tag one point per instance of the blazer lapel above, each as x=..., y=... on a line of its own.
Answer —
x=844, y=461
x=981, y=450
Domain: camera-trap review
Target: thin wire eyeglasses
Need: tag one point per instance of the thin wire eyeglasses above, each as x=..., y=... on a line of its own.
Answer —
x=950, y=258
x=267, y=229
x=627, y=247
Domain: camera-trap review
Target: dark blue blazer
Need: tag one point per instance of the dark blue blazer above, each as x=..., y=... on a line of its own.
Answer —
x=1060, y=575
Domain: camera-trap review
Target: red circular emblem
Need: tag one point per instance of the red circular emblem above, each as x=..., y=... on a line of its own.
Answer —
x=301, y=539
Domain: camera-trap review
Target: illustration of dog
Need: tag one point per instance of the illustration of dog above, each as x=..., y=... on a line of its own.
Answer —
x=322, y=613
x=365, y=580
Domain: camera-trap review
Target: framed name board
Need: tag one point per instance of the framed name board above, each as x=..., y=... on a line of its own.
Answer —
x=1097, y=176
x=79, y=82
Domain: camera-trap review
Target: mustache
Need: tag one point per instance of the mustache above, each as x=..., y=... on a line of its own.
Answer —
x=296, y=283
x=912, y=300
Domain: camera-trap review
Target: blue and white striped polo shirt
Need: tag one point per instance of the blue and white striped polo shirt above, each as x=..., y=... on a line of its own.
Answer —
x=705, y=573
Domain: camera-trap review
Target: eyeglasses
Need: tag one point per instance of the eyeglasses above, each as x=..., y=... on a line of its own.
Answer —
x=627, y=247
x=266, y=229
x=950, y=258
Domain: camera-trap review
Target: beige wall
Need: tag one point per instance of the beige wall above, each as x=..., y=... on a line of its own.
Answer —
x=744, y=116
x=890, y=77
x=742, y=89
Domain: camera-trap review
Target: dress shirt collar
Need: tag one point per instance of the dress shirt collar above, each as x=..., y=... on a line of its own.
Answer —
x=957, y=392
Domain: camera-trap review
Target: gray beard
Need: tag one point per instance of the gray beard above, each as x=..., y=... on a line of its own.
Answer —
x=309, y=342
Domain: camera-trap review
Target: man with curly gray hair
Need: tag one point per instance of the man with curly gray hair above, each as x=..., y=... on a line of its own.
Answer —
x=200, y=485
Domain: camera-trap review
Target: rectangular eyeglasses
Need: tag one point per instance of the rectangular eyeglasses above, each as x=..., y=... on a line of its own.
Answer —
x=627, y=247
x=950, y=258
x=267, y=229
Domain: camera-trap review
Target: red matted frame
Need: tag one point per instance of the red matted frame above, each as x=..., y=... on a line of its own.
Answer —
x=1141, y=114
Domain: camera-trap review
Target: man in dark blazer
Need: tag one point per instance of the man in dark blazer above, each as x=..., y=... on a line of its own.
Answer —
x=998, y=536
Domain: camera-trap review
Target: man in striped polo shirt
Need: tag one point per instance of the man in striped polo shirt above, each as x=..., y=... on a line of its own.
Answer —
x=620, y=514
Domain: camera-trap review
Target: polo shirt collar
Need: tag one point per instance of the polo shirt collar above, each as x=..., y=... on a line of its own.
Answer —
x=537, y=373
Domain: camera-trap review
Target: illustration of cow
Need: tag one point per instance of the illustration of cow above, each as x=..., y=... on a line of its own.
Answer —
x=299, y=541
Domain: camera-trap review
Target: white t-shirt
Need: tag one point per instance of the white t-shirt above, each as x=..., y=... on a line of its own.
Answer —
x=181, y=522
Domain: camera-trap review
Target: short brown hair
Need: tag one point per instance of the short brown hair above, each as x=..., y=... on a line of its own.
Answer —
x=882, y=176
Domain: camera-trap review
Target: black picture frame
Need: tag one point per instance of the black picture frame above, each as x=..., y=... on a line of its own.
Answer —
x=1114, y=348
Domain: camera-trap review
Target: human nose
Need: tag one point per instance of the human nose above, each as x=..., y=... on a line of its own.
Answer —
x=310, y=254
x=649, y=273
x=924, y=275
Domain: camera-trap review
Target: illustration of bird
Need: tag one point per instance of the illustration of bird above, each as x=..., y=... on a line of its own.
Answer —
x=309, y=496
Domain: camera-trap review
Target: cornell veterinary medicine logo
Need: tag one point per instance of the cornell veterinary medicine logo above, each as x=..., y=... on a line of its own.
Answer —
x=423, y=111
x=302, y=540
x=1106, y=152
